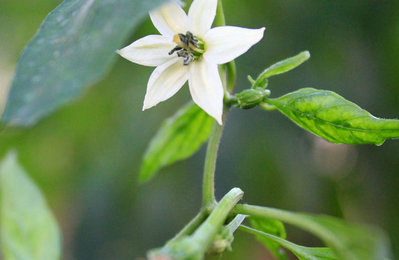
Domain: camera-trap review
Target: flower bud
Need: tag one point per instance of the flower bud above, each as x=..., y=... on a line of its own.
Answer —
x=250, y=98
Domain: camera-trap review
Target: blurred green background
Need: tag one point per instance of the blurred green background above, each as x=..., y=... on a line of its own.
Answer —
x=86, y=157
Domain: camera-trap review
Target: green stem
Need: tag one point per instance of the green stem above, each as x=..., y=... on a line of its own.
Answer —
x=228, y=75
x=231, y=76
x=302, y=221
x=208, y=184
x=267, y=106
x=194, y=246
x=219, y=19
x=266, y=212
x=206, y=233
x=229, y=68
x=190, y=227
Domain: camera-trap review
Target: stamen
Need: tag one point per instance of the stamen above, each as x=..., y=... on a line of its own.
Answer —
x=188, y=47
x=182, y=53
x=177, y=48
x=188, y=59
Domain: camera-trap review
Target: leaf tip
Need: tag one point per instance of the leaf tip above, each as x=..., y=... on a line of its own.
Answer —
x=144, y=175
x=306, y=54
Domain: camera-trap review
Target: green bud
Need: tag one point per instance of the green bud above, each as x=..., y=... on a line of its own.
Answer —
x=250, y=98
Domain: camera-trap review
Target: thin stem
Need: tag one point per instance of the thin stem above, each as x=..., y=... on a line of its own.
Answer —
x=267, y=106
x=266, y=212
x=228, y=75
x=219, y=19
x=297, y=219
x=229, y=68
x=191, y=226
x=208, y=184
x=231, y=76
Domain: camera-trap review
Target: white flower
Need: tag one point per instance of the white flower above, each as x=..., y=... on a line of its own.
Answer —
x=188, y=49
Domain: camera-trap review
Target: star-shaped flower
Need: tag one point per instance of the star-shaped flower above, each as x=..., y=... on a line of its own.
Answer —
x=188, y=49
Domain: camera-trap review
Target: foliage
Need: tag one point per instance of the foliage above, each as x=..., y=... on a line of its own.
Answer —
x=330, y=116
x=73, y=48
x=274, y=228
x=349, y=241
x=178, y=138
x=28, y=228
x=302, y=252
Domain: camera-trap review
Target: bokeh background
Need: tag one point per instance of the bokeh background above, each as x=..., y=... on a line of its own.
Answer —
x=86, y=157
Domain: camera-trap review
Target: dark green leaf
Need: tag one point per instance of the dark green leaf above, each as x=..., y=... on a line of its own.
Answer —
x=302, y=252
x=73, y=48
x=179, y=137
x=349, y=241
x=330, y=116
x=273, y=227
x=281, y=67
x=29, y=230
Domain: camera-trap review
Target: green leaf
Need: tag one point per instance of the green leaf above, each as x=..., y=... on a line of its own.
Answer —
x=348, y=241
x=73, y=49
x=29, y=230
x=178, y=138
x=330, y=116
x=281, y=67
x=302, y=252
x=274, y=227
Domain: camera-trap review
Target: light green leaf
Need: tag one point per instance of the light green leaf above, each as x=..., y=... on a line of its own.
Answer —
x=73, y=48
x=28, y=229
x=273, y=227
x=330, y=116
x=281, y=67
x=178, y=138
x=302, y=252
x=348, y=241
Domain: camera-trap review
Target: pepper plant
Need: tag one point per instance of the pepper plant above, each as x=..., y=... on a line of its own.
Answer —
x=188, y=49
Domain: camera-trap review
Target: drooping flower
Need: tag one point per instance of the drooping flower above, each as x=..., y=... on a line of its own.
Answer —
x=189, y=49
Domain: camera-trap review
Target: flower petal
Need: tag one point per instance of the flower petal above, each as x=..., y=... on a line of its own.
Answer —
x=165, y=81
x=206, y=88
x=169, y=19
x=225, y=43
x=151, y=50
x=201, y=16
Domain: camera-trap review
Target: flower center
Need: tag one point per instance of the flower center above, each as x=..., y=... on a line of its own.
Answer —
x=188, y=47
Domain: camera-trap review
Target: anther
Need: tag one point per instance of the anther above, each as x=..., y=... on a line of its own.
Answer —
x=187, y=47
x=177, y=48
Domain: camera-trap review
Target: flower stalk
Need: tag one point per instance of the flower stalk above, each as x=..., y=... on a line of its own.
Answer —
x=208, y=183
x=228, y=74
